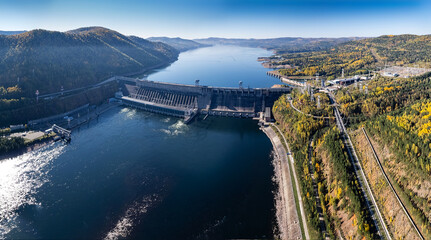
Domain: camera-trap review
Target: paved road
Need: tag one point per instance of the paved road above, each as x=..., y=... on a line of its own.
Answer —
x=318, y=117
x=288, y=219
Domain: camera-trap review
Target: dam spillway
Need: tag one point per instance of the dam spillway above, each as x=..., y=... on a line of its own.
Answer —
x=189, y=100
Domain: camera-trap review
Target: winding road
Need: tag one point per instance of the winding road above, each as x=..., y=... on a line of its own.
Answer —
x=317, y=117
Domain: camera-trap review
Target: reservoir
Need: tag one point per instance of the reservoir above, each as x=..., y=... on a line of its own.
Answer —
x=137, y=175
x=218, y=66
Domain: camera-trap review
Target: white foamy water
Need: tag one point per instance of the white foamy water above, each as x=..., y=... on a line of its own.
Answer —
x=125, y=225
x=176, y=129
x=20, y=178
x=130, y=112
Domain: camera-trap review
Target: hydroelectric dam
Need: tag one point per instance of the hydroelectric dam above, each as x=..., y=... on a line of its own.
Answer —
x=187, y=101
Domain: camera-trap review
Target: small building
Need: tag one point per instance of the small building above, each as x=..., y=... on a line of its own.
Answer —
x=345, y=81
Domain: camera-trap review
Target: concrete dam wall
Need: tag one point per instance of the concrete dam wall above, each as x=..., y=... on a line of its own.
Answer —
x=188, y=100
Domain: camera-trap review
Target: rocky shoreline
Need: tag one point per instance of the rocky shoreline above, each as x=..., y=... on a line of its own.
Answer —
x=286, y=213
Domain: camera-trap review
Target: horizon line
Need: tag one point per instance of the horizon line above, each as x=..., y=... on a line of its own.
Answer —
x=207, y=37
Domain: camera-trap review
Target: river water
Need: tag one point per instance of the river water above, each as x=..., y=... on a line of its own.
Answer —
x=138, y=175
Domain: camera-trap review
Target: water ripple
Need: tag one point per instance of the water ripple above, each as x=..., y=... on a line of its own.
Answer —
x=175, y=129
x=20, y=178
x=125, y=225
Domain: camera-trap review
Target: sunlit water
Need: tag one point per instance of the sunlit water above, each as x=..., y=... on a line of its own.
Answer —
x=137, y=175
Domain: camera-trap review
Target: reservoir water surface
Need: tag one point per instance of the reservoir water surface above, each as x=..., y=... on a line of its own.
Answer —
x=138, y=175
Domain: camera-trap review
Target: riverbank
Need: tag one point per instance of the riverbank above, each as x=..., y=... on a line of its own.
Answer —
x=286, y=213
x=26, y=149
x=77, y=122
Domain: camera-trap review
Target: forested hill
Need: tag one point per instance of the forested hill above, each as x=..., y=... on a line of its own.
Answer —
x=281, y=45
x=357, y=57
x=397, y=49
x=47, y=60
x=179, y=43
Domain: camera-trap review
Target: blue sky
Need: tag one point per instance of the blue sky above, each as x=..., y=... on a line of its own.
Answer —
x=223, y=18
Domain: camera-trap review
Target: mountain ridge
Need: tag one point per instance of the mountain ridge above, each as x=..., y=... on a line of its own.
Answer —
x=180, y=44
x=281, y=44
x=45, y=60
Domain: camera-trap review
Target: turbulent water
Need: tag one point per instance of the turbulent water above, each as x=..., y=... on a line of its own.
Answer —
x=137, y=175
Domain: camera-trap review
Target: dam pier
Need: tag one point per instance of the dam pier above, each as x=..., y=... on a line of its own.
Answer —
x=187, y=101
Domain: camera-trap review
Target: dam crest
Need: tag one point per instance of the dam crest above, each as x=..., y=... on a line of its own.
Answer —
x=187, y=101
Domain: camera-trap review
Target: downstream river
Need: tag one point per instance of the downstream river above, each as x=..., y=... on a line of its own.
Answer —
x=138, y=175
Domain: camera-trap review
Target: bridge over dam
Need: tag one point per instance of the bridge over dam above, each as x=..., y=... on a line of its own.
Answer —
x=186, y=101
